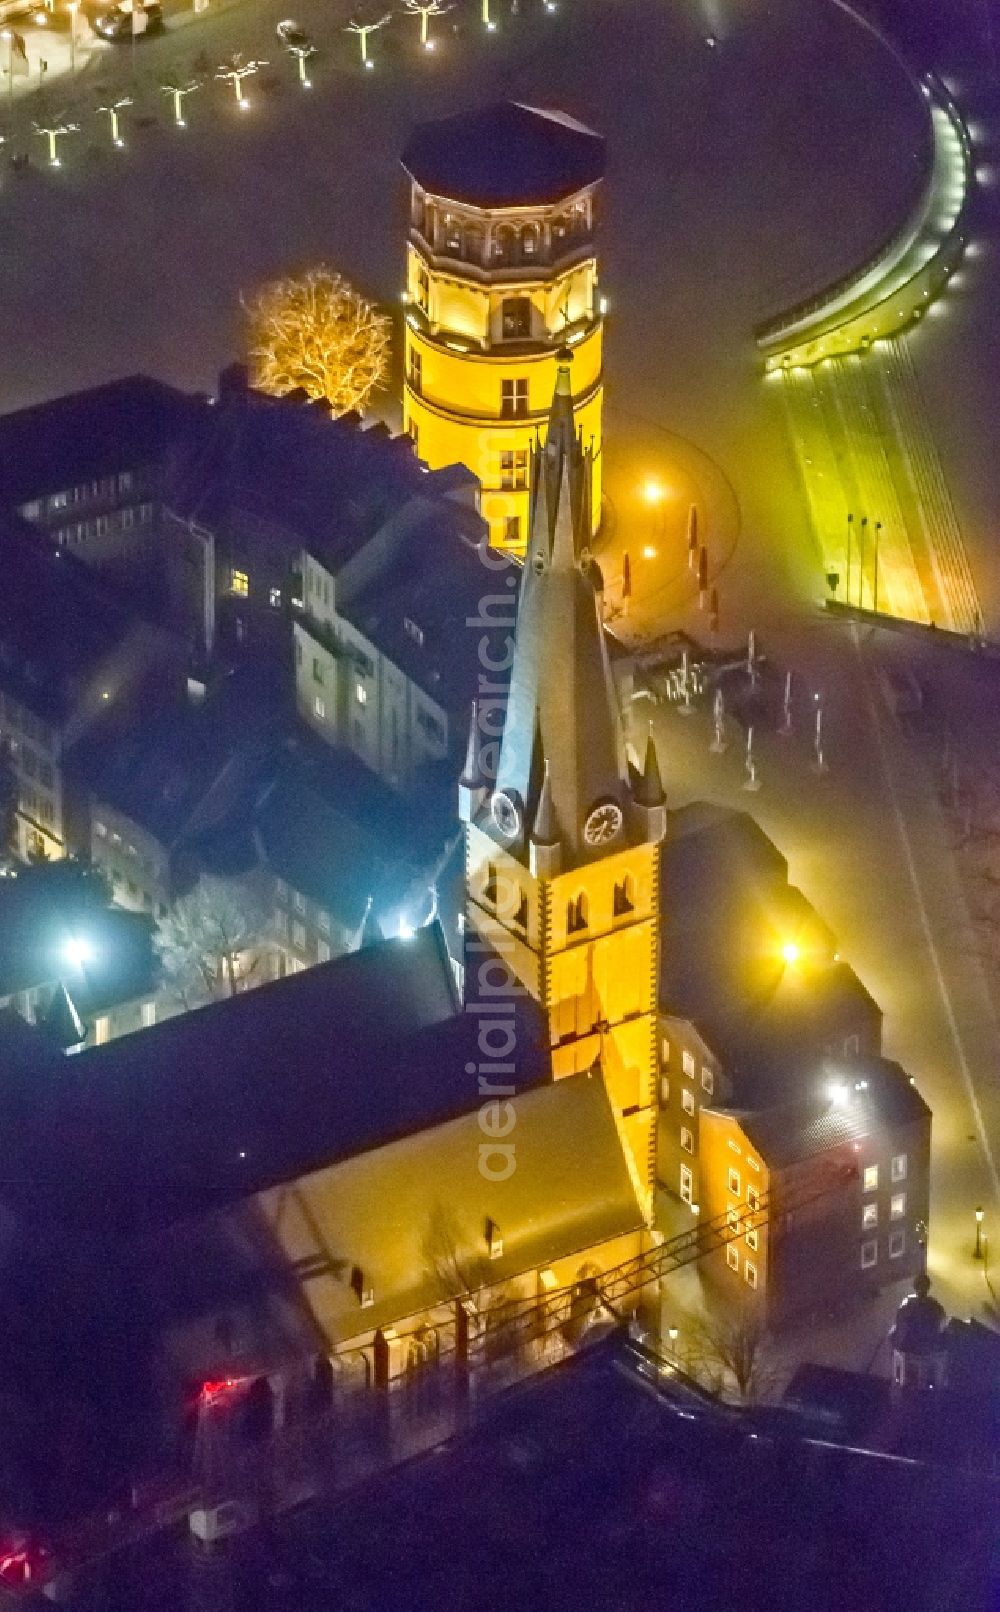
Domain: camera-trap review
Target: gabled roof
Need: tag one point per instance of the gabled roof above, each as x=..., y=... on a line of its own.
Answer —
x=504, y=155
x=244, y=1094
x=124, y=425
x=875, y=1094
x=412, y=1216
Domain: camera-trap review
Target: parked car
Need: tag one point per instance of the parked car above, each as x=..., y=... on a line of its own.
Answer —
x=121, y=22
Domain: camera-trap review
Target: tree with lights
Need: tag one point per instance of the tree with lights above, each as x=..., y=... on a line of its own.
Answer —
x=315, y=332
x=206, y=940
x=111, y=108
x=234, y=71
x=359, y=26
x=425, y=10
x=53, y=133
x=179, y=89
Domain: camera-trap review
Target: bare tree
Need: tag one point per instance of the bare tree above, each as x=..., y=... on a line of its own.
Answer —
x=204, y=940
x=732, y=1347
x=317, y=334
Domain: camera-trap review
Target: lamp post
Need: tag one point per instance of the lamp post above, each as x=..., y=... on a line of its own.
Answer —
x=74, y=6
x=977, y=1252
x=363, y=29
x=178, y=93
x=850, y=528
x=235, y=71
x=878, y=534
x=861, y=562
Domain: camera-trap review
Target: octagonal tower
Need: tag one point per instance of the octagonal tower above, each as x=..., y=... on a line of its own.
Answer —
x=501, y=277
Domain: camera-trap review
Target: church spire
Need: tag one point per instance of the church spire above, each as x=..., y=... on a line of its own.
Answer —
x=562, y=756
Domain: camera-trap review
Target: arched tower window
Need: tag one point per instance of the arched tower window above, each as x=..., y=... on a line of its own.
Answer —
x=504, y=238
x=529, y=242
x=577, y=914
x=624, y=896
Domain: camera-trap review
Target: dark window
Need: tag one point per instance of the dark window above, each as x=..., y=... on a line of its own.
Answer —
x=515, y=318
x=513, y=399
x=624, y=897
x=576, y=916
x=512, y=529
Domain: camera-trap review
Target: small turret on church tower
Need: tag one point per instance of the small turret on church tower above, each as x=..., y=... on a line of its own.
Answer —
x=562, y=847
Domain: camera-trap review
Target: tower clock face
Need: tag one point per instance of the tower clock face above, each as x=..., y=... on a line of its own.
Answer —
x=603, y=823
x=506, y=810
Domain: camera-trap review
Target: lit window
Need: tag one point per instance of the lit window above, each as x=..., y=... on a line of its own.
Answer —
x=100, y=830
x=734, y=1182
x=513, y=399
x=239, y=581
x=750, y=1273
x=752, y=1238
x=361, y=693
x=733, y=1220
x=148, y=1015
x=732, y=1256
x=869, y=1254
x=299, y=935
x=514, y=469
x=707, y=1080
x=752, y=1163
x=665, y=1053
x=323, y=951
x=664, y=1091
x=871, y=1177
x=869, y=1217
x=687, y=1184
x=687, y=1064
x=899, y=1167
x=687, y=1100
x=274, y=596
x=102, y=1031
x=319, y=707
x=897, y=1244
x=687, y=1140
x=753, y=1199
x=323, y=921
x=897, y=1206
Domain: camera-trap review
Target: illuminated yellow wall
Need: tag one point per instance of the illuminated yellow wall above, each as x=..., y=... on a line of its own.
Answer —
x=598, y=985
x=456, y=360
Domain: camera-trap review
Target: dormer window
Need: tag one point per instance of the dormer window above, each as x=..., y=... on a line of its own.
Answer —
x=415, y=632
x=494, y=1239
x=576, y=915
x=363, y=1291
x=624, y=897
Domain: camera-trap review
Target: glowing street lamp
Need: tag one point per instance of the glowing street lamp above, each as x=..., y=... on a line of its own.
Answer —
x=791, y=951
x=299, y=45
x=53, y=133
x=977, y=1252
x=236, y=70
x=179, y=92
x=488, y=22
x=112, y=109
x=653, y=491
x=77, y=951
x=363, y=29
x=425, y=10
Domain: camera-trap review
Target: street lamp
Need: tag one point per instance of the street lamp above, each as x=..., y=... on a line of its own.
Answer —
x=977, y=1252
x=112, y=109
x=77, y=951
x=791, y=951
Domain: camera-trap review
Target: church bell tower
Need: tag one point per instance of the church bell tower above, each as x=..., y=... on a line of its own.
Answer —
x=562, y=844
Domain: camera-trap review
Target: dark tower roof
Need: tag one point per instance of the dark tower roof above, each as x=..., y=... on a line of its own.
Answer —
x=505, y=155
x=562, y=710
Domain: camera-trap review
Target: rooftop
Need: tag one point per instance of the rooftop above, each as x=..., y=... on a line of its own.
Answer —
x=505, y=155
x=125, y=424
x=242, y=1095
x=871, y=1094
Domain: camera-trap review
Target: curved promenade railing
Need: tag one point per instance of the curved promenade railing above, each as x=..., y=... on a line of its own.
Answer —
x=893, y=287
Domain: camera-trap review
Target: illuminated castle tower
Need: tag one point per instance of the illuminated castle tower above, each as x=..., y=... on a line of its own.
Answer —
x=501, y=275
x=562, y=847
